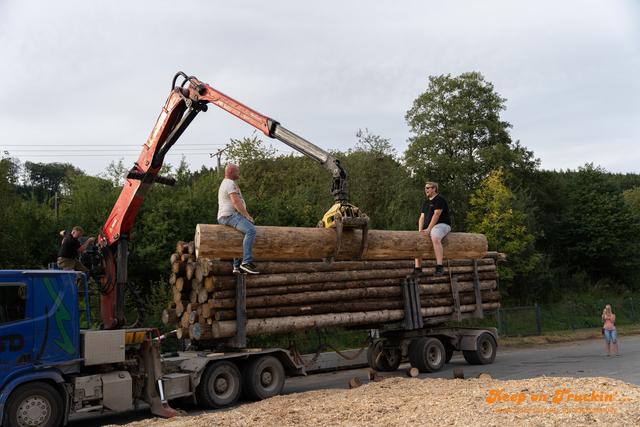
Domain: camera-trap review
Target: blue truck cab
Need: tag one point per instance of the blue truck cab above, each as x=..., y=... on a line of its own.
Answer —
x=39, y=336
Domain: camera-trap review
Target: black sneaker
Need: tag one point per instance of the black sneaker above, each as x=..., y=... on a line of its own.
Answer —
x=417, y=272
x=237, y=271
x=439, y=271
x=249, y=268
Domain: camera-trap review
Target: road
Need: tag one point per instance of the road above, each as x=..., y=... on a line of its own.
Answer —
x=577, y=359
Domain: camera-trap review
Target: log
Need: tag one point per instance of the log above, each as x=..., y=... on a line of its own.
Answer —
x=199, y=273
x=188, y=258
x=191, y=248
x=317, y=287
x=203, y=295
x=225, y=329
x=175, y=257
x=346, y=294
x=220, y=241
x=179, y=268
x=255, y=281
x=183, y=284
x=181, y=307
x=458, y=374
x=200, y=331
x=173, y=277
x=182, y=333
x=355, y=383
x=190, y=270
x=216, y=267
x=193, y=317
x=182, y=247
x=171, y=304
x=180, y=296
x=171, y=335
x=372, y=374
x=341, y=307
x=193, y=307
x=412, y=372
x=169, y=316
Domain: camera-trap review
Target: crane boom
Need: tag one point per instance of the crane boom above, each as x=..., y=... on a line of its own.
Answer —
x=182, y=106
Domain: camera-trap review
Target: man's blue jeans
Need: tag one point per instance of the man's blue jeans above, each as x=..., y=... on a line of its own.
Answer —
x=240, y=223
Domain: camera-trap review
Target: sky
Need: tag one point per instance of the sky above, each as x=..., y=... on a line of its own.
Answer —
x=84, y=81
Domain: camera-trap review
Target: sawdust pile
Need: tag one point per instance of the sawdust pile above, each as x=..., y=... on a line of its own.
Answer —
x=438, y=402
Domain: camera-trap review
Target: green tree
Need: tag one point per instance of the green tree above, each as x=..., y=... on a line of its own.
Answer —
x=633, y=197
x=598, y=233
x=493, y=214
x=44, y=179
x=459, y=138
x=380, y=185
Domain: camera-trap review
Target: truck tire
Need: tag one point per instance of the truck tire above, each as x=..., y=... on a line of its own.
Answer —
x=380, y=362
x=219, y=386
x=485, y=353
x=263, y=378
x=34, y=404
x=427, y=354
x=448, y=353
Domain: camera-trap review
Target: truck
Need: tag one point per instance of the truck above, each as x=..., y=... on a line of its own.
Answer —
x=55, y=360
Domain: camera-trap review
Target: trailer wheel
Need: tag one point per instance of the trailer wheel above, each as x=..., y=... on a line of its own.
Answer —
x=379, y=360
x=427, y=354
x=263, y=378
x=219, y=386
x=486, y=352
x=33, y=404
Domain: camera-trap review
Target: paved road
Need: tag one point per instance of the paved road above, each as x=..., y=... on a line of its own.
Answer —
x=577, y=360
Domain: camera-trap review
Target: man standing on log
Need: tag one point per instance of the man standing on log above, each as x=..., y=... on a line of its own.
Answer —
x=435, y=215
x=232, y=211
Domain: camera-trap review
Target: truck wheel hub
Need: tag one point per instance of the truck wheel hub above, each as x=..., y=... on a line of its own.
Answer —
x=266, y=378
x=221, y=385
x=33, y=412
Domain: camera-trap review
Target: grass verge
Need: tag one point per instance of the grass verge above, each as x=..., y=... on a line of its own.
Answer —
x=563, y=336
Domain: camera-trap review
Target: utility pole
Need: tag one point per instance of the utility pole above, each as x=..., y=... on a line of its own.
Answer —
x=56, y=198
x=219, y=155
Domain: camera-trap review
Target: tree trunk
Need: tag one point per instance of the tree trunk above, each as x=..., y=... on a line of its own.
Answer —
x=224, y=329
x=217, y=267
x=347, y=294
x=219, y=283
x=342, y=307
x=169, y=316
x=220, y=241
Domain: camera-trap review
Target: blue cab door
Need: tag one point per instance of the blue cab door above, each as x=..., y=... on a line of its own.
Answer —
x=55, y=314
x=16, y=325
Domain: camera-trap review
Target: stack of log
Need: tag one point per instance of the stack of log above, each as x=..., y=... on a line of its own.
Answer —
x=304, y=294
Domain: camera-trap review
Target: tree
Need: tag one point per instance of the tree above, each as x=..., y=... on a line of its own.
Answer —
x=44, y=179
x=599, y=234
x=380, y=185
x=459, y=138
x=633, y=198
x=493, y=214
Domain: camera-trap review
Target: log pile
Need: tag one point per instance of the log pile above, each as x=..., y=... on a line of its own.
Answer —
x=293, y=295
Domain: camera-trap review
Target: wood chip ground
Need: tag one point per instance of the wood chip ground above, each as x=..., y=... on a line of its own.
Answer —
x=437, y=402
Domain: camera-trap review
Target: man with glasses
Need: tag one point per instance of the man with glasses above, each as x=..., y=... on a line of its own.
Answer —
x=434, y=222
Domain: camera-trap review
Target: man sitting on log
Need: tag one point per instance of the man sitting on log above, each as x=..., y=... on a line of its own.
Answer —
x=435, y=213
x=232, y=211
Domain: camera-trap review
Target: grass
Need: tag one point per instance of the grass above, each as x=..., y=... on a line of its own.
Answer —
x=563, y=336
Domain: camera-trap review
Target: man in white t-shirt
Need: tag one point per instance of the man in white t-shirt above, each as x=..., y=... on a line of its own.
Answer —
x=232, y=211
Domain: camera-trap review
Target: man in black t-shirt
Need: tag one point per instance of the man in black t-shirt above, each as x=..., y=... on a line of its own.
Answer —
x=434, y=222
x=70, y=248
